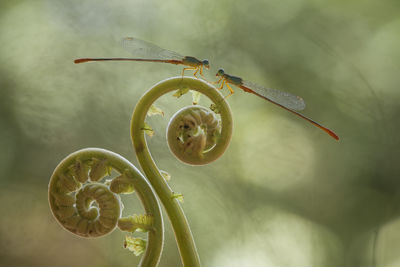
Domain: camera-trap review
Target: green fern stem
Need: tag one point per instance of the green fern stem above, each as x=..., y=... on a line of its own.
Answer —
x=183, y=234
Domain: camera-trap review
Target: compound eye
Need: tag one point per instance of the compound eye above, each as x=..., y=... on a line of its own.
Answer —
x=220, y=72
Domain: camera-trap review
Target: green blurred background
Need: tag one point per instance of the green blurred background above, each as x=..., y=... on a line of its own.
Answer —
x=284, y=193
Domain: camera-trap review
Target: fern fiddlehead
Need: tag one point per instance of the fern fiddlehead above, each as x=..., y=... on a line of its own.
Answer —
x=88, y=207
x=85, y=206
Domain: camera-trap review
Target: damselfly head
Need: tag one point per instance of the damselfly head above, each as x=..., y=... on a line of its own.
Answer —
x=206, y=64
x=220, y=72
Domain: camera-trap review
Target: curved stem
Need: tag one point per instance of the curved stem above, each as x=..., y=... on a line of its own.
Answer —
x=183, y=235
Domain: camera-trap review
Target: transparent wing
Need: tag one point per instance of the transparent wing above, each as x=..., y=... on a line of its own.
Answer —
x=145, y=50
x=285, y=99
